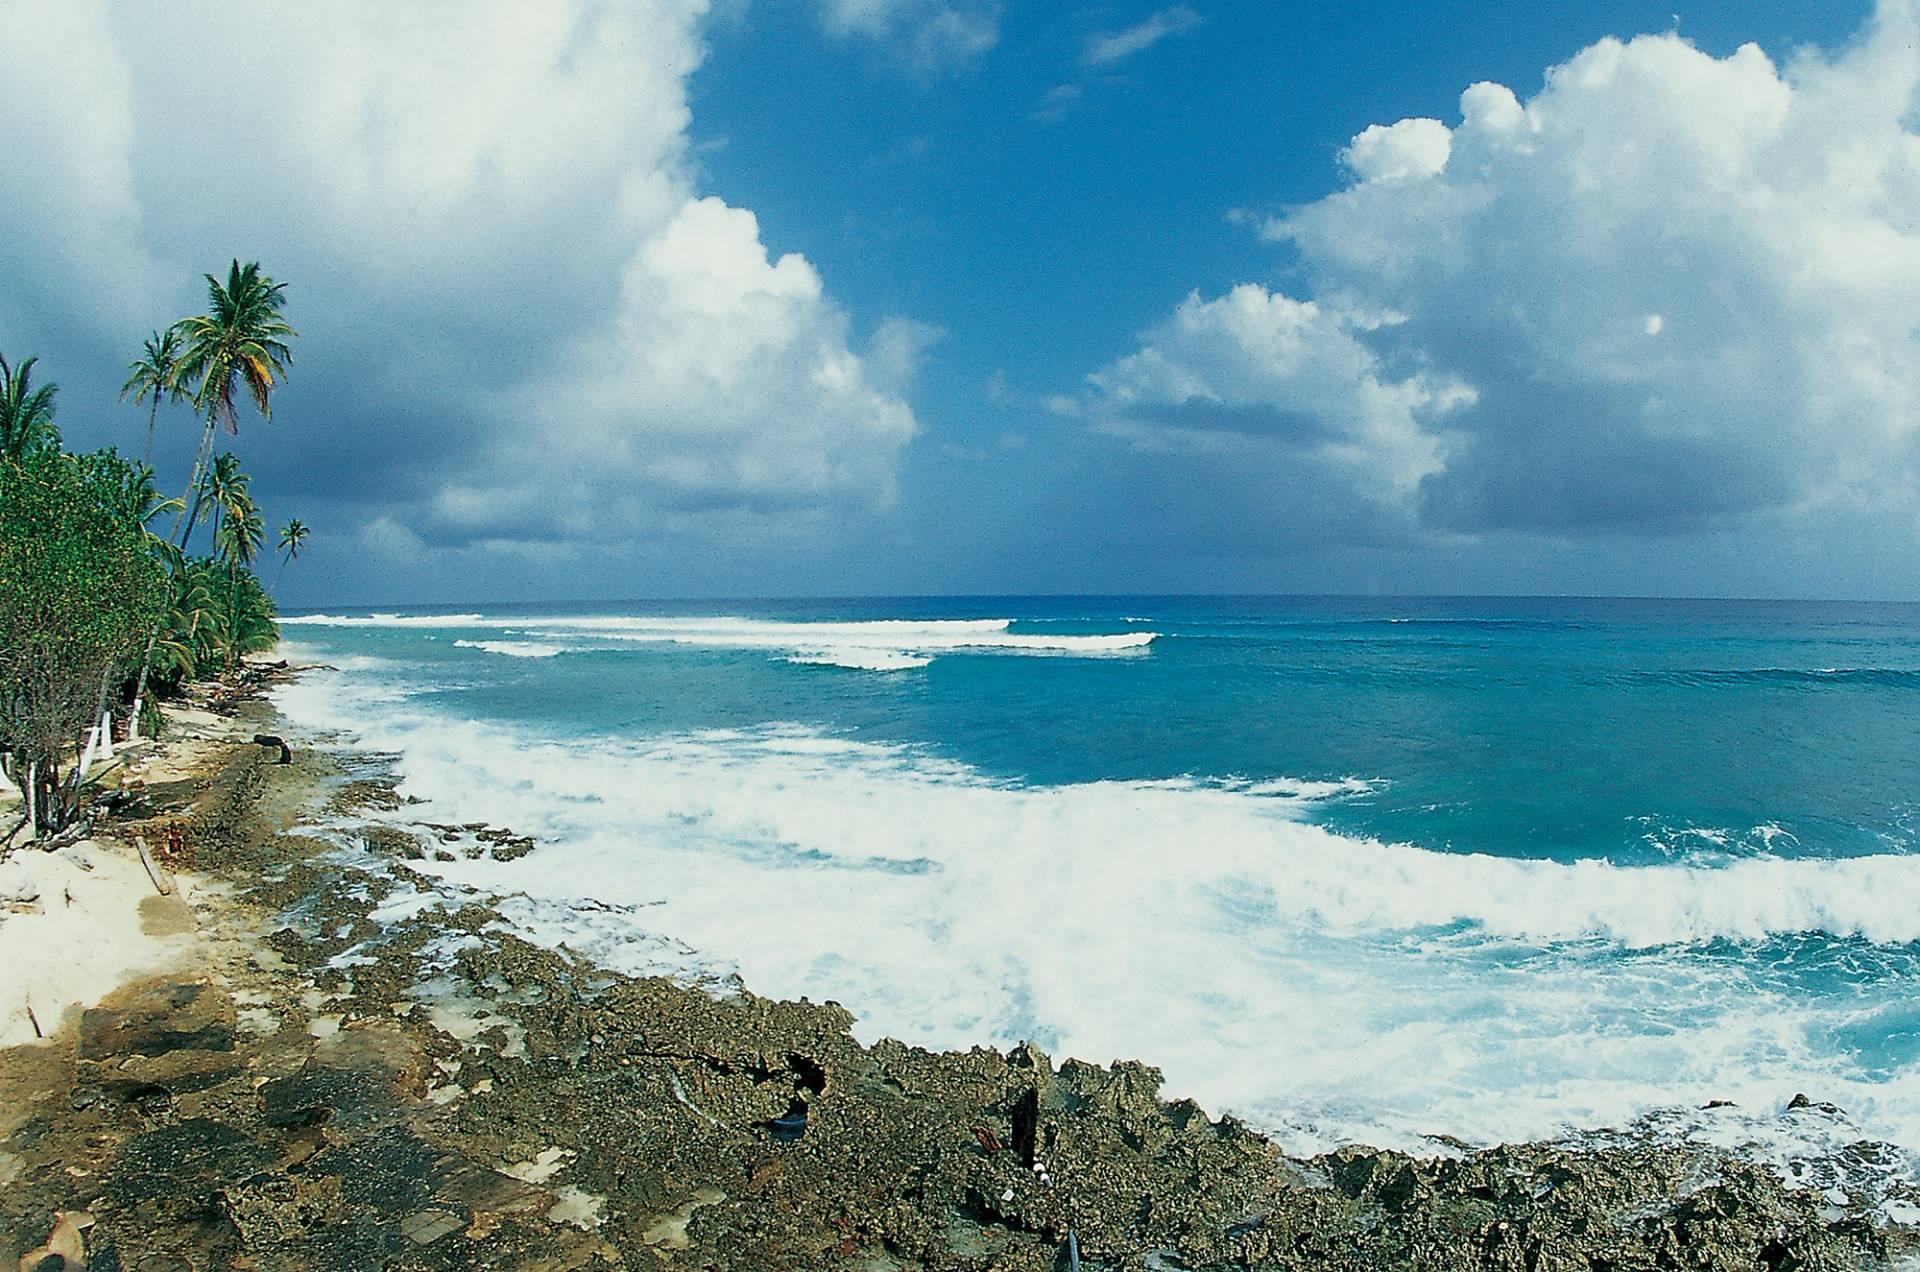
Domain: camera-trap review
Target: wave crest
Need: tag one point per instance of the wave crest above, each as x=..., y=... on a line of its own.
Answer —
x=513, y=648
x=879, y=660
x=870, y=645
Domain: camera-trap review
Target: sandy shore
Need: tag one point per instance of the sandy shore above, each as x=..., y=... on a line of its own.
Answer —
x=285, y=1060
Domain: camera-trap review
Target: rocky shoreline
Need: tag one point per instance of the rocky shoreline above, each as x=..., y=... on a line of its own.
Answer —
x=337, y=1079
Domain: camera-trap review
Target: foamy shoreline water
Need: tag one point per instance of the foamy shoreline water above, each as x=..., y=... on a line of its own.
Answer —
x=1815, y=1146
x=783, y=841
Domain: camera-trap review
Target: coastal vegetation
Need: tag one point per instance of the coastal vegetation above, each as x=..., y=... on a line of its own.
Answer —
x=100, y=613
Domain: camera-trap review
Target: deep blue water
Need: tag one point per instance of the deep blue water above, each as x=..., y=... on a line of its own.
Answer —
x=1715, y=766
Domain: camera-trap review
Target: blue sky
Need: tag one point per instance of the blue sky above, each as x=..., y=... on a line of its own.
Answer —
x=834, y=296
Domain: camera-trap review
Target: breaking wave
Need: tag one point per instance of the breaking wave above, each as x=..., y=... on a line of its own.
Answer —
x=879, y=645
x=1328, y=987
x=513, y=648
x=878, y=660
x=382, y=620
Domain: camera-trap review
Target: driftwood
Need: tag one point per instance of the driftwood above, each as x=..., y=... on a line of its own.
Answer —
x=161, y=883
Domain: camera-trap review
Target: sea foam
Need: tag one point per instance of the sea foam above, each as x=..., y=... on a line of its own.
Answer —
x=382, y=620
x=878, y=645
x=876, y=660
x=1328, y=987
x=513, y=648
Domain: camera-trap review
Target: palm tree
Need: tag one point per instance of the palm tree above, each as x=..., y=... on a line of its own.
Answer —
x=238, y=345
x=224, y=489
x=240, y=341
x=241, y=533
x=194, y=630
x=238, y=532
x=154, y=375
x=146, y=504
x=251, y=614
x=293, y=536
x=26, y=413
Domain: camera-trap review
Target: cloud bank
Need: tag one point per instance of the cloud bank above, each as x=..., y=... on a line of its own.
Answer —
x=1667, y=292
x=525, y=323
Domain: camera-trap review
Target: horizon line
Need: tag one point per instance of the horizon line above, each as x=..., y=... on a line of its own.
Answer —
x=797, y=597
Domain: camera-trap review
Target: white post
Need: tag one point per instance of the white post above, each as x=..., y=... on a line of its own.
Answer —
x=86, y=755
x=133, y=722
x=33, y=780
x=106, y=734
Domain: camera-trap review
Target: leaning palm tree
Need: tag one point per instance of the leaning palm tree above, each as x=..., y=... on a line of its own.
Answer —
x=238, y=346
x=154, y=375
x=26, y=413
x=293, y=536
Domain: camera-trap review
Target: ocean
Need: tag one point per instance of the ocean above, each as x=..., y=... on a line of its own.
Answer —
x=1410, y=872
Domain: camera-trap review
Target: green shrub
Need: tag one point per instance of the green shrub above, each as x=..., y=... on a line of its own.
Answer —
x=79, y=592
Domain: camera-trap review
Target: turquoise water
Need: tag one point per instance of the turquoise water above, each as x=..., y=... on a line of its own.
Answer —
x=1355, y=868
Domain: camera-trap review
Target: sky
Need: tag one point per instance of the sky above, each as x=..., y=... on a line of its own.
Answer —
x=824, y=297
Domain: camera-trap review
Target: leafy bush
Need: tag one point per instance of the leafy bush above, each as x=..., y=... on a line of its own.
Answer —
x=79, y=592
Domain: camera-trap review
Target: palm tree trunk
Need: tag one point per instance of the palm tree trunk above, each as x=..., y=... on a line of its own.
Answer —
x=233, y=613
x=146, y=661
x=93, y=743
x=188, y=510
x=153, y=412
x=200, y=457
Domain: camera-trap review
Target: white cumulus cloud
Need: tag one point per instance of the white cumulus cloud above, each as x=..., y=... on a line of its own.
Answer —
x=1470, y=341
x=1410, y=148
x=1256, y=365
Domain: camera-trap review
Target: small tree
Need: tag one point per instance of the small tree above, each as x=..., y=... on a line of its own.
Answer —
x=293, y=537
x=152, y=376
x=79, y=591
